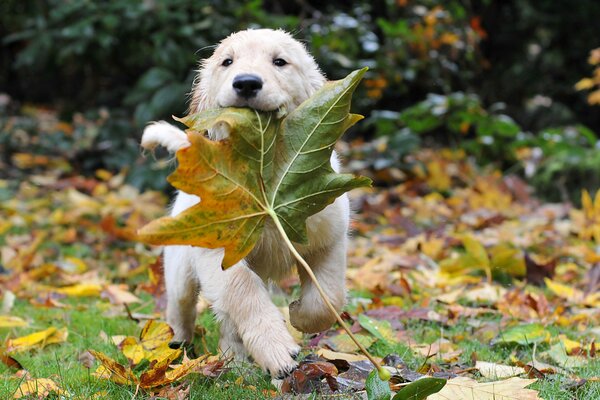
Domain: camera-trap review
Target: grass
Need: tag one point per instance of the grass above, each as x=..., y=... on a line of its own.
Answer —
x=87, y=325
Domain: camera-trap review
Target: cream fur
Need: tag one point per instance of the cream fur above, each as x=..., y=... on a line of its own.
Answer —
x=250, y=322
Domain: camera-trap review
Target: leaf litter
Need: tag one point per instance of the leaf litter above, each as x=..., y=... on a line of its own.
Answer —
x=458, y=244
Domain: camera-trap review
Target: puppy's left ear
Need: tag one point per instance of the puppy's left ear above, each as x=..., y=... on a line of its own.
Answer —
x=316, y=79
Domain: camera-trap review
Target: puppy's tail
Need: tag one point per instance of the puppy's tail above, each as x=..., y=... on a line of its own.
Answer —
x=164, y=134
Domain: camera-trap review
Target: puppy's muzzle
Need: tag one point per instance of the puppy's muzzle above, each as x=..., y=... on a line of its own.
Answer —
x=247, y=85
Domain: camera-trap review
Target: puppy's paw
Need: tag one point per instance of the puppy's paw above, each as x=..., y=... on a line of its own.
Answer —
x=278, y=357
x=164, y=134
x=310, y=320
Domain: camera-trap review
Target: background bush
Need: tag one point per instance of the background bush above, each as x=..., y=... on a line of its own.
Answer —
x=491, y=76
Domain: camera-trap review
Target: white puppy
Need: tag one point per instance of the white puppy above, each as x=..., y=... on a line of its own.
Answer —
x=266, y=70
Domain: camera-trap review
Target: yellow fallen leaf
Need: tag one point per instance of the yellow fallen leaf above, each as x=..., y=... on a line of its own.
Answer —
x=40, y=388
x=9, y=321
x=36, y=340
x=296, y=334
x=334, y=355
x=463, y=388
x=153, y=344
x=497, y=371
x=80, y=290
x=112, y=370
x=569, y=344
x=159, y=375
x=564, y=291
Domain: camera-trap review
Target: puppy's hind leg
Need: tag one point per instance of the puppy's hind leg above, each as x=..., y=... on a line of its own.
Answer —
x=241, y=300
x=182, y=293
x=310, y=314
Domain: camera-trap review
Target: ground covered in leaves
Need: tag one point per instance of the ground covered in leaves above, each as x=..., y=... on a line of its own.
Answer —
x=455, y=271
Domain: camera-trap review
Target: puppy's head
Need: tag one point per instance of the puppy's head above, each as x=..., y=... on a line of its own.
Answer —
x=263, y=69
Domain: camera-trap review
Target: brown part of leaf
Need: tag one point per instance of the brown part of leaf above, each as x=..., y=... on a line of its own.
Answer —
x=9, y=361
x=118, y=373
x=537, y=272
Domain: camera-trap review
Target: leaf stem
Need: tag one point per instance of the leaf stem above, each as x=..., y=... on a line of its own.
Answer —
x=324, y=296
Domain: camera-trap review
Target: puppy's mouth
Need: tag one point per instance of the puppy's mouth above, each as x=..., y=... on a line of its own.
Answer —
x=253, y=104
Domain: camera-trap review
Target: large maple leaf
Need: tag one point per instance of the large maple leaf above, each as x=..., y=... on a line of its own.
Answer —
x=267, y=167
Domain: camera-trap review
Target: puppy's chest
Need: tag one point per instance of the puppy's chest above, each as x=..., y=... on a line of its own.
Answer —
x=271, y=259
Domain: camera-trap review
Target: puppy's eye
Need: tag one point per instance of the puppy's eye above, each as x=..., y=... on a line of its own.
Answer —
x=227, y=62
x=279, y=62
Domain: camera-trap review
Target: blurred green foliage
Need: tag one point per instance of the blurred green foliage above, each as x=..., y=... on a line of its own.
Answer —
x=494, y=77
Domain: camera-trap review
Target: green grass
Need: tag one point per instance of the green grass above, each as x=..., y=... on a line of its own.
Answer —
x=85, y=322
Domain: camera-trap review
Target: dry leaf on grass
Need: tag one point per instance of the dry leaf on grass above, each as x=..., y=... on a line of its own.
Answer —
x=497, y=371
x=153, y=344
x=39, y=388
x=468, y=389
x=9, y=321
x=36, y=340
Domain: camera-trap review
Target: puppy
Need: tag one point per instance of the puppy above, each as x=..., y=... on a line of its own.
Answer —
x=265, y=70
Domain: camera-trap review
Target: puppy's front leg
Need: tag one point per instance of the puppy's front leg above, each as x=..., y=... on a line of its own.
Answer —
x=240, y=297
x=182, y=293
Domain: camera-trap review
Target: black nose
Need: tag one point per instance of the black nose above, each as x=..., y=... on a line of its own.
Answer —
x=247, y=85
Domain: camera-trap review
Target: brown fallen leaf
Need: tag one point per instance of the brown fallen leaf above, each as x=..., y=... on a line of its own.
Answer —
x=9, y=361
x=307, y=377
x=463, y=388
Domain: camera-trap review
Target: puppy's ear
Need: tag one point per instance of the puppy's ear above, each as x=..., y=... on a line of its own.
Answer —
x=198, y=96
x=315, y=78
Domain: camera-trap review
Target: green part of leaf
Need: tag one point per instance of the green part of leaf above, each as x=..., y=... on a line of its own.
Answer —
x=382, y=330
x=420, y=389
x=267, y=167
x=376, y=388
x=523, y=335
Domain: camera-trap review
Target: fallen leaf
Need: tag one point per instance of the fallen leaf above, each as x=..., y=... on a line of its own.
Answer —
x=382, y=330
x=497, y=371
x=334, y=355
x=110, y=369
x=37, y=340
x=523, y=335
x=119, y=294
x=80, y=290
x=153, y=344
x=9, y=321
x=40, y=388
x=463, y=388
x=343, y=343
x=307, y=377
